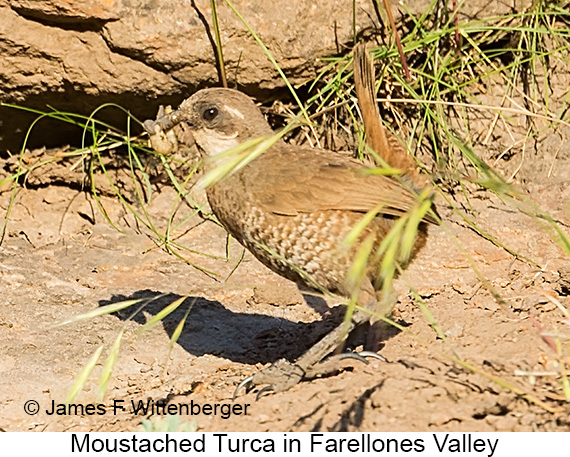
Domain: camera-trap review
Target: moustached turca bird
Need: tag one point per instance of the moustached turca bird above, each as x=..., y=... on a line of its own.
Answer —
x=292, y=207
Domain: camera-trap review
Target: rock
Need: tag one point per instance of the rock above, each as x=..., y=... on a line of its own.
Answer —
x=66, y=11
x=77, y=55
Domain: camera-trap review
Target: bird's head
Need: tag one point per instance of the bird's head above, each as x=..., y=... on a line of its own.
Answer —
x=218, y=119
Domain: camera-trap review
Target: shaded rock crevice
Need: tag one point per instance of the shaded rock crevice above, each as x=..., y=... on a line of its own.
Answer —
x=75, y=55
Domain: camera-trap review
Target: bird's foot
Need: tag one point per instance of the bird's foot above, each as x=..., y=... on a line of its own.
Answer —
x=278, y=377
x=282, y=375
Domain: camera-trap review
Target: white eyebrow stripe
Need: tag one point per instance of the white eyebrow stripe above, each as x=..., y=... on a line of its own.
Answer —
x=234, y=111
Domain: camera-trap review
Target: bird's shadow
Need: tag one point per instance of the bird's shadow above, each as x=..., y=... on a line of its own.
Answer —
x=211, y=328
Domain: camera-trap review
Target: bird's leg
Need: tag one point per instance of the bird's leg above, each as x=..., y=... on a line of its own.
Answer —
x=282, y=375
x=379, y=329
x=314, y=362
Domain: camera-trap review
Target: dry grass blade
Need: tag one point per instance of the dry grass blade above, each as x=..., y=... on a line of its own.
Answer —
x=103, y=310
x=178, y=330
x=167, y=310
x=109, y=366
x=219, y=50
x=84, y=374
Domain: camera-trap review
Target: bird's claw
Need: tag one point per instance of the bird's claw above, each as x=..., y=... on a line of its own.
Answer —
x=245, y=383
x=280, y=376
x=361, y=356
x=262, y=391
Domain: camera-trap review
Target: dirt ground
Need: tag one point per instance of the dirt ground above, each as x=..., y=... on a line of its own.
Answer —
x=62, y=258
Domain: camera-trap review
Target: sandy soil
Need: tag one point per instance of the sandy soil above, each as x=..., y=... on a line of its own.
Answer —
x=62, y=258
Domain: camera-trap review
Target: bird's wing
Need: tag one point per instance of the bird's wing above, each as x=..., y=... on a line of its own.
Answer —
x=288, y=181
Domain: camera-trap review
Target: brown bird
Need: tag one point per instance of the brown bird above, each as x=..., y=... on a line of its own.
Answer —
x=292, y=207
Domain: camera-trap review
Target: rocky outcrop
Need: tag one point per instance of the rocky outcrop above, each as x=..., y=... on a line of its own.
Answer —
x=75, y=55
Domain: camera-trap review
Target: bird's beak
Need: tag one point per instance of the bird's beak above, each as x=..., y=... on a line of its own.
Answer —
x=164, y=121
x=163, y=139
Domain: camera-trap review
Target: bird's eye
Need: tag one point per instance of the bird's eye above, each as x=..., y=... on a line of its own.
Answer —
x=209, y=114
